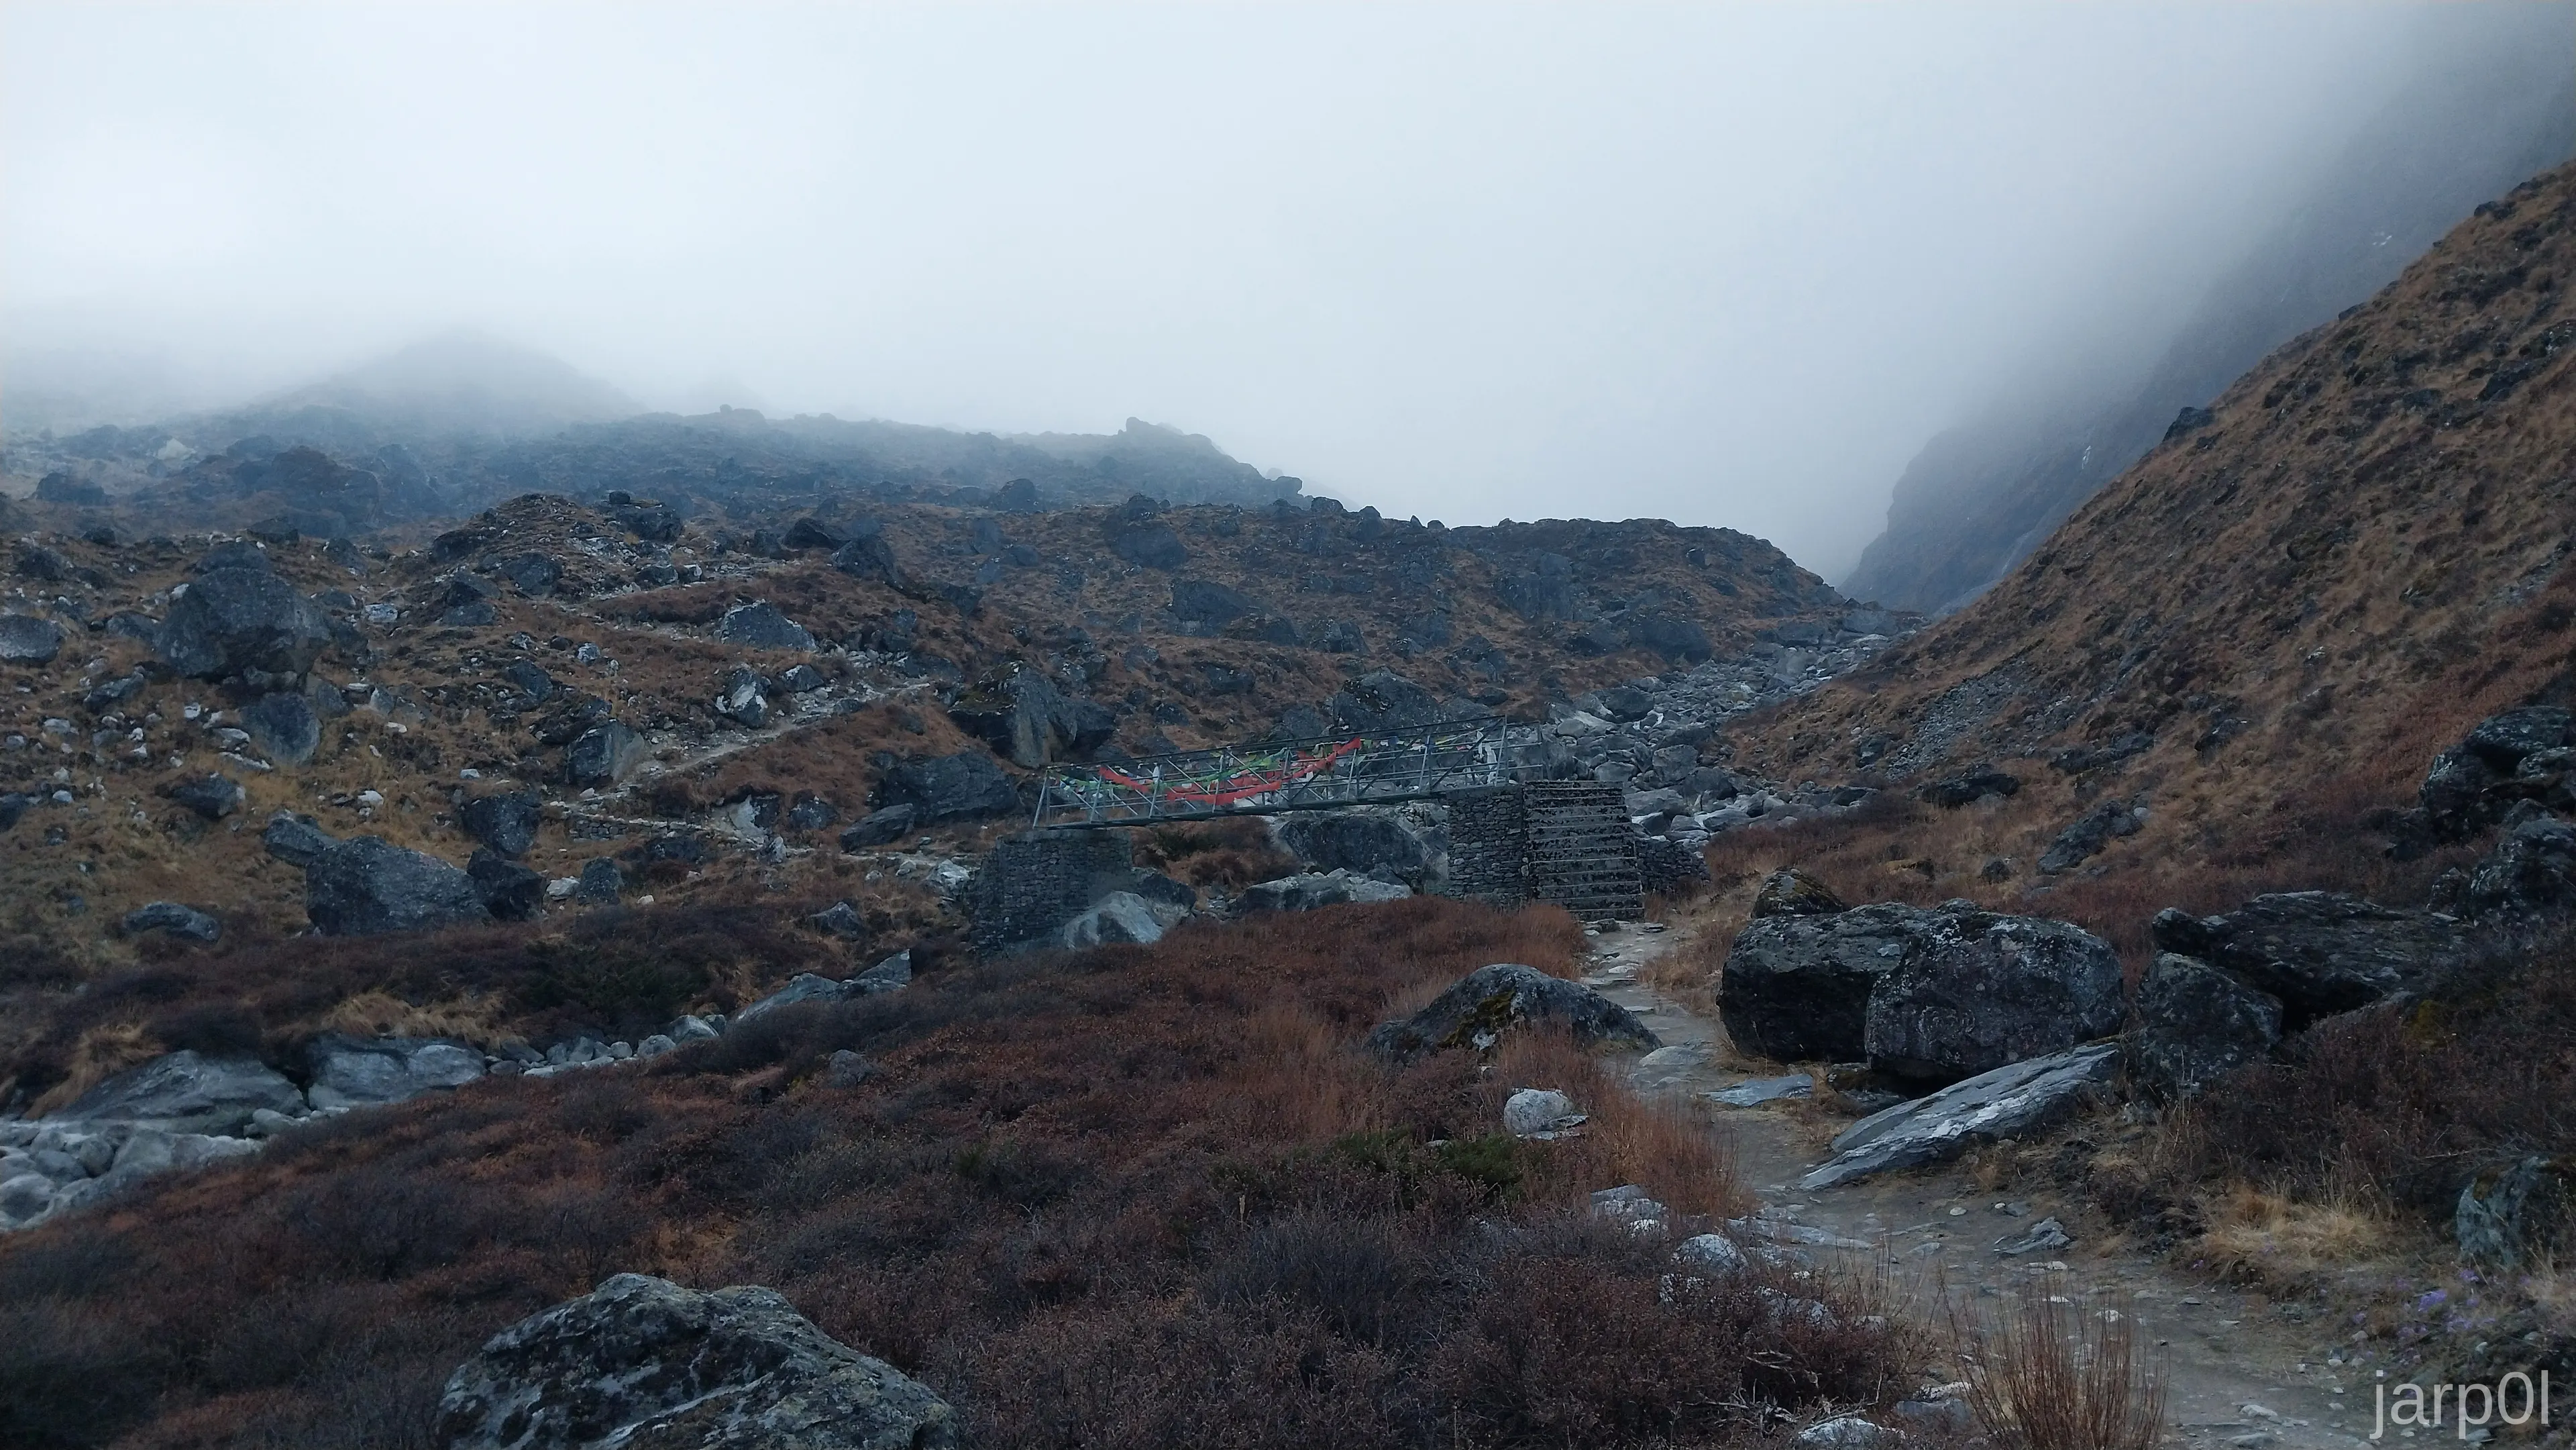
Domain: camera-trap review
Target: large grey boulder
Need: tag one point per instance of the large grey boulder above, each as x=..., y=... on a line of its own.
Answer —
x=187, y=1092
x=1382, y=700
x=1968, y=787
x=511, y=891
x=28, y=640
x=2471, y=785
x=604, y=754
x=2531, y=872
x=2196, y=1024
x=1026, y=720
x=1980, y=990
x=965, y=786
x=351, y=1072
x=2321, y=952
x=1358, y=840
x=236, y=619
x=2090, y=833
x=176, y=918
x=1307, y=891
x=283, y=727
x=1481, y=1006
x=1792, y=891
x=1147, y=545
x=1205, y=601
x=211, y=796
x=296, y=840
x=2513, y=1214
x=880, y=827
x=644, y=1362
x=1797, y=987
x=505, y=822
x=369, y=885
x=2008, y=1102
x=761, y=626
x=803, y=987
x=890, y=975
x=1121, y=916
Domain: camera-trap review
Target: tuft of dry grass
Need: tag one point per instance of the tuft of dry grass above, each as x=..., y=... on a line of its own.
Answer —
x=473, y=1019
x=2043, y=1374
x=1676, y=1151
x=2285, y=1244
x=97, y=1055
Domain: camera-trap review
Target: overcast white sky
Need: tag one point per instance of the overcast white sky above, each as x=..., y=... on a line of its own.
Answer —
x=1729, y=265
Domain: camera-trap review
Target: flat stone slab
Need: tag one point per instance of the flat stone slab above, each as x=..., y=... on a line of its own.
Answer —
x=1753, y=1092
x=2007, y=1102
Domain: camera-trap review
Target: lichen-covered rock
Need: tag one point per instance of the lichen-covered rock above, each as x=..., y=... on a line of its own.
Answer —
x=188, y=1092
x=175, y=918
x=1486, y=1003
x=236, y=619
x=2196, y=1024
x=1796, y=983
x=1795, y=892
x=1311, y=890
x=26, y=639
x=1121, y=916
x=507, y=822
x=642, y=1361
x=2008, y=1102
x=349, y=1071
x=964, y=786
x=2510, y=1216
x=369, y=885
x=1025, y=719
x=1354, y=840
x=2321, y=952
x=2531, y=872
x=1980, y=990
x=761, y=626
x=603, y=755
x=283, y=727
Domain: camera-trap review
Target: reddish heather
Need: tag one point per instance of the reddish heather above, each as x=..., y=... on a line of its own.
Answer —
x=1136, y=1196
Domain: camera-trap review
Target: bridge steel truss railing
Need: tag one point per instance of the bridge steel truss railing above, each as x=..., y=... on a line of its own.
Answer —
x=1274, y=776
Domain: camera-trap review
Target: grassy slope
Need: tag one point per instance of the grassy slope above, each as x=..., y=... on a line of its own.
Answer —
x=2303, y=600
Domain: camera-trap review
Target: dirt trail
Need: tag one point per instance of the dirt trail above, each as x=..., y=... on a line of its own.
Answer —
x=2222, y=1350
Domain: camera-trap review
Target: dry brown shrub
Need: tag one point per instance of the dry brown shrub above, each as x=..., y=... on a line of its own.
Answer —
x=2043, y=1374
x=1136, y=1192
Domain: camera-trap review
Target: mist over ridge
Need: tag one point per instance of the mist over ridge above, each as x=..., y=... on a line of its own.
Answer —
x=1730, y=266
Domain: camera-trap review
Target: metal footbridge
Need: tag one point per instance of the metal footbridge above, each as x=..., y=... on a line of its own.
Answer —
x=1288, y=775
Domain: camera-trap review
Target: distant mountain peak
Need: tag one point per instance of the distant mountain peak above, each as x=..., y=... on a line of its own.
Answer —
x=464, y=381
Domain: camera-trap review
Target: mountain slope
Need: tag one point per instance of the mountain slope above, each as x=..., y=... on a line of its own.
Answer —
x=2264, y=630
x=2499, y=106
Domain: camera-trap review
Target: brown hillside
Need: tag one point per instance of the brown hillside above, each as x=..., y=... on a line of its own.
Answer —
x=1501, y=619
x=2354, y=558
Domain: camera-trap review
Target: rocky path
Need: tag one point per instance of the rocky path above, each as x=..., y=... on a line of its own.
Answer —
x=2240, y=1372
